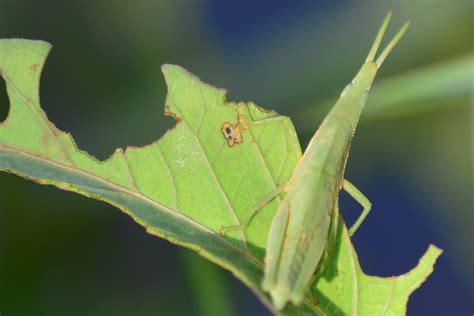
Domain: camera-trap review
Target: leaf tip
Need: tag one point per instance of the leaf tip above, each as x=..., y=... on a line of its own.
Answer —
x=171, y=71
x=425, y=266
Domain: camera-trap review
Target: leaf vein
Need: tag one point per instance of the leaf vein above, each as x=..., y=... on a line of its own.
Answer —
x=170, y=175
x=230, y=208
x=41, y=117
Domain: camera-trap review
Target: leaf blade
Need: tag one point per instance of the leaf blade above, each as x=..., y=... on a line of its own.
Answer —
x=140, y=181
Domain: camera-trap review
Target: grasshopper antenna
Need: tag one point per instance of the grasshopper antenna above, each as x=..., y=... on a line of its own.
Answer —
x=378, y=38
x=392, y=44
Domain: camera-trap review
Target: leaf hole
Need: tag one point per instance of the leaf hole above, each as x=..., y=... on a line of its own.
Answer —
x=4, y=100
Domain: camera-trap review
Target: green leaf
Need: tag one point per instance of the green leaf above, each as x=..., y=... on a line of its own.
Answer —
x=190, y=183
x=342, y=288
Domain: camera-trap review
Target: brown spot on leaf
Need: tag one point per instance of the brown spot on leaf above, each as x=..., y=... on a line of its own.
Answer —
x=233, y=133
x=34, y=67
x=173, y=115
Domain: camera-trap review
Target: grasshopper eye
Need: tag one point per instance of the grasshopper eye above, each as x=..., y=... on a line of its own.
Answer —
x=228, y=131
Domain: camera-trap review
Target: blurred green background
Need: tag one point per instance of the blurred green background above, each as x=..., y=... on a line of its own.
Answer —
x=62, y=254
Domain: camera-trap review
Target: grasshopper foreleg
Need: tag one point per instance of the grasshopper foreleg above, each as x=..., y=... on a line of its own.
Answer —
x=257, y=208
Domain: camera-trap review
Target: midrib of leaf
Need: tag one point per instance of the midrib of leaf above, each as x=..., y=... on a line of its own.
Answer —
x=116, y=187
x=389, y=298
x=355, y=280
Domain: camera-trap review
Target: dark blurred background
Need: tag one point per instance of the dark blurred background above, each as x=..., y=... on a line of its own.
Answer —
x=63, y=254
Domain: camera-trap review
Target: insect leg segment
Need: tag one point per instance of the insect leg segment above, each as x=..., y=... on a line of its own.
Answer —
x=265, y=200
x=257, y=208
x=224, y=229
x=362, y=200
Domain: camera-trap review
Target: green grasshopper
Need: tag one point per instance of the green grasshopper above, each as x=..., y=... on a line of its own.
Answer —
x=300, y=229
